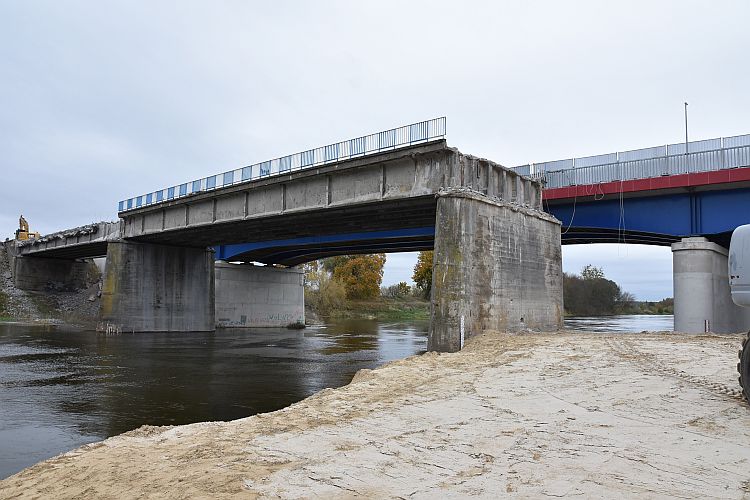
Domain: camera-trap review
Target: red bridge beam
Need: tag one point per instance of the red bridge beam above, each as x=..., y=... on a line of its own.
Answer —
x=665, y=182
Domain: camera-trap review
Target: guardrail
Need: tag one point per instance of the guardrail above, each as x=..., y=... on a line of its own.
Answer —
x=671, y=159
x=395, y=138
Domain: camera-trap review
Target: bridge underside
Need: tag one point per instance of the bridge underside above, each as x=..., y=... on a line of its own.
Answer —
x=73, y=252
x=404, y=214
x=290, y=252
x=653, y=218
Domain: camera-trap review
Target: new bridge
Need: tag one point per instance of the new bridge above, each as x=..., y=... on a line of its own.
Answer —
x=656, y=195
x=687, y=196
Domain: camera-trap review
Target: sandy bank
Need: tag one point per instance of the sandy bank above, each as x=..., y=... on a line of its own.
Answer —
x=533, y=415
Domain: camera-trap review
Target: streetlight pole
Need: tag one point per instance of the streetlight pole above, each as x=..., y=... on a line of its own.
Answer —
x=686, y=130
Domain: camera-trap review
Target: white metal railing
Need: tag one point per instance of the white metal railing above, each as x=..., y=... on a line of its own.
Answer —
x=407, y=135
x=670, y=159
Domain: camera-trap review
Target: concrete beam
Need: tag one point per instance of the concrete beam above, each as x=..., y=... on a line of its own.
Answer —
x=497, y=266
x=386, y=191
x=84, y=241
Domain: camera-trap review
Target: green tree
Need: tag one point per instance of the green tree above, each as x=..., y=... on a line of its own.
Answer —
x=591, y=293
x=423, y=273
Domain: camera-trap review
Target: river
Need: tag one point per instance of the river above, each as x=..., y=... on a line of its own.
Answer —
x=61, y=387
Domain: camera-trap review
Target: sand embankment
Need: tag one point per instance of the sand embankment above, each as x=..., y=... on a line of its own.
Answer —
x=645, y=415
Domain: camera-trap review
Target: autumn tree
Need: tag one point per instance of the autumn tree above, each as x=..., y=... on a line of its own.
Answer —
x=423, y=273
x=361, y=275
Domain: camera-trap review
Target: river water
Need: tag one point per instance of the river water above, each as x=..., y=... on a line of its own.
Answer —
x=61, y=388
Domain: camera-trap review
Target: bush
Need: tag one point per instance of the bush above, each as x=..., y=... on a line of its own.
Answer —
x=396, y=291
x=329, y=297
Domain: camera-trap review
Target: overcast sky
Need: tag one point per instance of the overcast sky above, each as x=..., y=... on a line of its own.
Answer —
x=103, y=100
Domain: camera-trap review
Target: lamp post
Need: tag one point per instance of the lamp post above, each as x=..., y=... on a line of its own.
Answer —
x=686, y=130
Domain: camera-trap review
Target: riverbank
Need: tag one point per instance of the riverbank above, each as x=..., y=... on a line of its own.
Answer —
x=532, y=415
x=387, y=308
x=380, y=308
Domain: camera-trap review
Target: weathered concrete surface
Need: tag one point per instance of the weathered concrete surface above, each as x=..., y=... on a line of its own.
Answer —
x=254, y=296
x=497, y=266
x=527, y=416
x=84, y=241
x=157, y=288
x=39, y=273
x=390, y=190
x=702, y=298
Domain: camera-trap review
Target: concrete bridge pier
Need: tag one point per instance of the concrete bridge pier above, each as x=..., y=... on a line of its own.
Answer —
x=702, y=299
x=497, y=266
x=258, y=296
x=157, y=288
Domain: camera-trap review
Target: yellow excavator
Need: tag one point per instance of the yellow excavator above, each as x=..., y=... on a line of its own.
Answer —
x=23, y=233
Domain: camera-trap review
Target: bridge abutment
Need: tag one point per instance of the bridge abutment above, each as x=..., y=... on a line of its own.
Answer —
x=42, y=273
x=157, y=288
x=255, y=296
x=496, y=266
x=702, y=299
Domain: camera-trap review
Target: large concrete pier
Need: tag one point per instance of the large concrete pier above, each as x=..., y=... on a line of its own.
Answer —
x=497, y=266
x=702, y=299
x=254, y=296
x=158, y=288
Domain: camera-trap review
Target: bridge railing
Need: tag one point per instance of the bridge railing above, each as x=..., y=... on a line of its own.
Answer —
x=395, y=138
x=703, y=156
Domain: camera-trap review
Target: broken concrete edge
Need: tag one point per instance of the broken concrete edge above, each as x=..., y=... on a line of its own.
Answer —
x=463, y=192
x=85, y=230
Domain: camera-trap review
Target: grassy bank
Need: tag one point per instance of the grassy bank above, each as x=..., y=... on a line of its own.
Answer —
x=384, y=308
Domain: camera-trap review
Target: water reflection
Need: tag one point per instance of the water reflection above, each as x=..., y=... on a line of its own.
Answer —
x=61, y=388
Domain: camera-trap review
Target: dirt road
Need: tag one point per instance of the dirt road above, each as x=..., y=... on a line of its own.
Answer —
x=652, y=415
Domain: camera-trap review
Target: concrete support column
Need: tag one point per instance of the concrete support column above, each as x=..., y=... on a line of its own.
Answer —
x=702, y=300
x=254, y=296
x=157, y=288
x=497, y=266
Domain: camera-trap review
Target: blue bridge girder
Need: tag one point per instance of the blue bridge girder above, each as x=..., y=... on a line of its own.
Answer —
x=653, y=218
x=299, y=250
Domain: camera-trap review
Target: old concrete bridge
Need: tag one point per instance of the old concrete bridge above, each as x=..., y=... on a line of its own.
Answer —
x=497, y=261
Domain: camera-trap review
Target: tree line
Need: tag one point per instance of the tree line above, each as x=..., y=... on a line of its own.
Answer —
x=590, y=293
x=331, y=282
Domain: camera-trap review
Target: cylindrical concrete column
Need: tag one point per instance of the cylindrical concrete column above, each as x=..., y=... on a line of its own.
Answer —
x=702, y=299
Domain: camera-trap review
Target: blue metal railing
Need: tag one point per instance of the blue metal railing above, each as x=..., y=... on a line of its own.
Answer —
x=407, y=135
x=671, y=159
